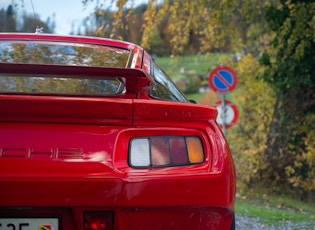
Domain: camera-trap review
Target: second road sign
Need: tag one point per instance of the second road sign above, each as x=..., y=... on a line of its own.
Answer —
x=227, y=114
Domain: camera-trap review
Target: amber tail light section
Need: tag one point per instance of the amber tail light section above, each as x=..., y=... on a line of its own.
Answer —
x=98, y=220
x=165, y=151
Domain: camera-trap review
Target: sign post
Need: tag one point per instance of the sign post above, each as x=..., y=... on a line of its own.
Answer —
x=223, y=80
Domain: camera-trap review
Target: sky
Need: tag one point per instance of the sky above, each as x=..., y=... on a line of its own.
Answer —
x=67, y=12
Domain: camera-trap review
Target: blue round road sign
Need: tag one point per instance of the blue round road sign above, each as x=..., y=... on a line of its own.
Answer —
x=222, y=79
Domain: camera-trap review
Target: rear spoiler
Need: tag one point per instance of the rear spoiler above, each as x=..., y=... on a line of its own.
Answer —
x=135, y=78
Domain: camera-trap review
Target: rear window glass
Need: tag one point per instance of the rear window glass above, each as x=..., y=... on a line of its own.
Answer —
x=165, y=89
x=61, y=53
x=64, y=85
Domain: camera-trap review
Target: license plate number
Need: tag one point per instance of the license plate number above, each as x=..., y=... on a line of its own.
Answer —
x=29, y=223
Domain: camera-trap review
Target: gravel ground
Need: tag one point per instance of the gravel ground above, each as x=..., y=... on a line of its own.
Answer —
x=246, y=223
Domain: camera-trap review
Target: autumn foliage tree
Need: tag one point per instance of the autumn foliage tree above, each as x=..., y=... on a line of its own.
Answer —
x=9, y=21
x=290, y=70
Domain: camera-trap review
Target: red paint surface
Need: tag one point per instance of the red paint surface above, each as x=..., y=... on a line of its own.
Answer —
x=63, y=156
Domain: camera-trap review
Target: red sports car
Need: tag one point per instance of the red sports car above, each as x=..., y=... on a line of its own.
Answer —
x=95, y=136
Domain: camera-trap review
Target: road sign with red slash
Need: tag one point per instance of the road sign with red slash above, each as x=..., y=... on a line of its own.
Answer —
x=227, y=113
x=222, y=79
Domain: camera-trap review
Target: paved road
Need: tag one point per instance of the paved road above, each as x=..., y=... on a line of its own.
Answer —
x=246, y=223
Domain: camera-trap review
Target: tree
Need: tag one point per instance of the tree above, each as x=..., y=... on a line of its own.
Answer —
x=8, y=19
x=291, y=71
x=11, y=19
x=248, y=138
x=29, y=24
x=199, y=26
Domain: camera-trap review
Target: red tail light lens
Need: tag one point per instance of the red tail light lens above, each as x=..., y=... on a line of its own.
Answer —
x=159, y=151
x=98, y=221
x=178, y=150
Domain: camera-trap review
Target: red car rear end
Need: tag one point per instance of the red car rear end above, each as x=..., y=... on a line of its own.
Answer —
x=133, y=156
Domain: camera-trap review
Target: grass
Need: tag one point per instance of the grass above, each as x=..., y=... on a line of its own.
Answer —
x=274, y=211
x=196, y=96
x=200, y=64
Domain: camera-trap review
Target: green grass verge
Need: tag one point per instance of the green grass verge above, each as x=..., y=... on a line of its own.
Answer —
x=275, y=214
x=200, y=64
x=178, y=68
x=196, y=96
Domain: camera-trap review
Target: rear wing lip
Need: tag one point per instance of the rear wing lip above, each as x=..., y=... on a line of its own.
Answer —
x=135, y=78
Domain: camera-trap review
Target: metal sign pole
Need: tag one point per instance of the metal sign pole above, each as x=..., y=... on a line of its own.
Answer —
x=223, y=115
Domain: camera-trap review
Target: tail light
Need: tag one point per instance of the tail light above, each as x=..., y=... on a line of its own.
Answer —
x=98, y=221
x=165, y=151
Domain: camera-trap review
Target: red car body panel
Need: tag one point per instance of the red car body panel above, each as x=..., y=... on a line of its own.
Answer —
x=63, y=156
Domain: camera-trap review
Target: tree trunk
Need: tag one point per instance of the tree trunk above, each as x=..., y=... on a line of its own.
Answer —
x=286, y=138
x=276, y=143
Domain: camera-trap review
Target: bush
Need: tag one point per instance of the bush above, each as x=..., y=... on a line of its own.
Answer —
x=248, y=137
x=193, y=83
